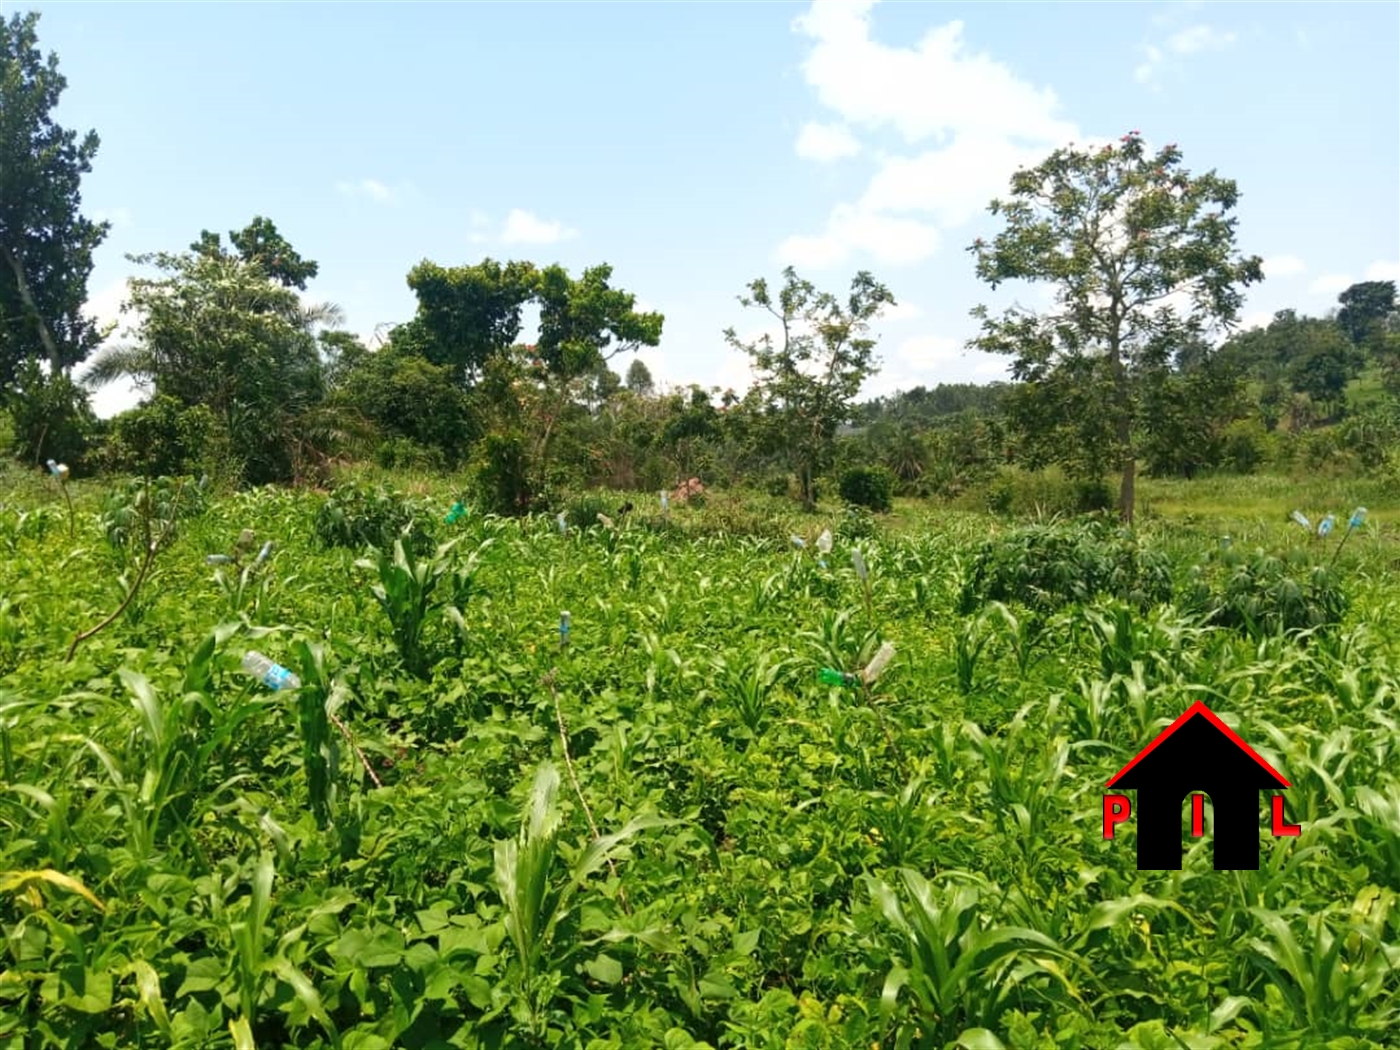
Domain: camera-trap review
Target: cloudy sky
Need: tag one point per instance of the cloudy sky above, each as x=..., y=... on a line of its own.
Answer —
x=697, y=146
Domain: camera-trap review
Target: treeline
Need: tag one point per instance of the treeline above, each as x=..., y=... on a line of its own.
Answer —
x=247, y=381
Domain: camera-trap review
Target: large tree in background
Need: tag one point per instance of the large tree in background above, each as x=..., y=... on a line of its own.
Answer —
x=46, y=245
x=466, y=314
x=1141, y=254
x=808, y=382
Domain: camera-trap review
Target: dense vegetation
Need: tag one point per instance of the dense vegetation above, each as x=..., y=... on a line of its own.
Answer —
x=461, y=831
x=570, y=764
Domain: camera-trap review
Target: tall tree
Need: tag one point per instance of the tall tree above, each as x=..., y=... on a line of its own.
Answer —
x=809, y=380
x=1142, y=257
x=46, y=244
x=1365, y=308
x=466, y=314
x=218, y=331
x=259, y=243
x=639, y=379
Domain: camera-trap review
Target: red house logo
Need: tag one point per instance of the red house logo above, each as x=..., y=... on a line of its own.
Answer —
x=1197, y=753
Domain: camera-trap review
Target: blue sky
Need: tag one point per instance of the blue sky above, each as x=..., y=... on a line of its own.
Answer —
x=697, y=146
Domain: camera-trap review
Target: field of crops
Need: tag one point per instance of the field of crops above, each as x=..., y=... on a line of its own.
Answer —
x=460, y=831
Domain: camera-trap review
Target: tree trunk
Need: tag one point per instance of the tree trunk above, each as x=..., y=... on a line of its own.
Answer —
x=1127, y=491
x=27, y=297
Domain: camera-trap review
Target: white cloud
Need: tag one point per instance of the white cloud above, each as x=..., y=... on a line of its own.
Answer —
x=826, y=142
x=933, y=89
x=1283, y=266
x=524, y=227
x=850, y=228
x=1330, y=284
x=901, y=311
x=118, y=217
x=980, y=120
x=1193, y=40
x=373, y=190
x=1383, y=271
x=1199, y=38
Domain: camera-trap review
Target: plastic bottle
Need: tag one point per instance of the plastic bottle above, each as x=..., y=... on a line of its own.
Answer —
x=217, y=559
x=273, y=675
x=858, y=560
x=455, y=513
x=665, y=501
x=562, y=522
x=262, y=554
x=1301, y=519
x=798, y=542
x=1358, y=518
x=831, y=676
x=565, y=622
x=1324, y=527
x=879, y=663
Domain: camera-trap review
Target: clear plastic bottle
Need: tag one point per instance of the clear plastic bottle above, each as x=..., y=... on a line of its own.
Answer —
x=273, y=675
x=879, y=663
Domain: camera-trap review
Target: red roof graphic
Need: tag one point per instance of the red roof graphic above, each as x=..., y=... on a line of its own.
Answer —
x=1198, y=708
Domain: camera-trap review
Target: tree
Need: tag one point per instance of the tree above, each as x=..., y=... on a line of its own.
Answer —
x=259, y=243
x=808, y=382
x=466, y=314
x=46, y=244
x=585, y=322
x=639, y=379
x=218, y=331
x=1365, y=308
x=1142, y=257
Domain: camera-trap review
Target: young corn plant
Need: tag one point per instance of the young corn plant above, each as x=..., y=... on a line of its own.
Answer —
x=407, y=592
x=538, y=900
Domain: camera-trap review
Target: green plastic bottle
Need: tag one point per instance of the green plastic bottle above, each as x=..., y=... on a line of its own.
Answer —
x=456, y=512
x=831, y=676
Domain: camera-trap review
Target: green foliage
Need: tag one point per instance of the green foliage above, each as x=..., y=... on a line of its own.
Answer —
x=356, y=516
x=807, y=386
x=670, y=830
x=217, y=331
x=260, y=244
x=1048, y=566
x=582, y=511
x=160, y=437
x=46, y=244
x=1263, y=594
x=50, y=417
x=868, y=487
x=1116, y=231
x=502, y=480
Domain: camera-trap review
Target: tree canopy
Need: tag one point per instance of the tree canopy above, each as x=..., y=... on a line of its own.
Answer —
x=46, y=244
x=1141, y=254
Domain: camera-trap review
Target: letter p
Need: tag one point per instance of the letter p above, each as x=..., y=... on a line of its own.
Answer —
x=1116, y=809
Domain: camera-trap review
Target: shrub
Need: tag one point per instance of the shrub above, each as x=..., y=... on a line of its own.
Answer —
x=870, y=487
x=354, y=516
x=50, y=418
x=501, y=479
x=160, y=438
x=406, y=454
x=1261, y=594
x=1048, y=566
x=582, y=511
x=856, y=523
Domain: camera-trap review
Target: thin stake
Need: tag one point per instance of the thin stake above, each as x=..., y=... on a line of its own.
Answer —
x=549, y=680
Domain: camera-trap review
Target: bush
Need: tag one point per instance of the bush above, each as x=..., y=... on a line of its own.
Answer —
x=856, y=523
x=406, y=454
x=582, y=511
x=501, y=479
x=50, y=418
x=870, y=487
x=160, y=438
x=1048, y=566
x=1262, y=594
x=354, y=516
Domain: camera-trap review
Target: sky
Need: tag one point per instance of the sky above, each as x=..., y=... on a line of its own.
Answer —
x=697, y=146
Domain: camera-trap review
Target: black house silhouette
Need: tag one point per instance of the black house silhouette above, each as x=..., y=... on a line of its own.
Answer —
x=1198, y=752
